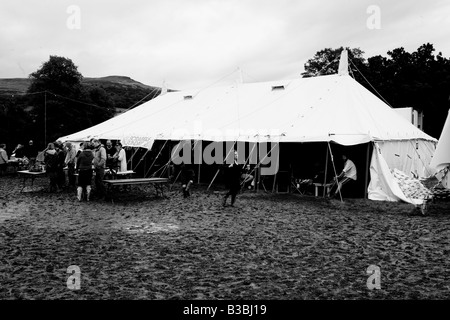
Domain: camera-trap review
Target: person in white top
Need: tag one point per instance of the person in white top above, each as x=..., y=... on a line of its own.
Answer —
x=347, y=176
x=121, y=158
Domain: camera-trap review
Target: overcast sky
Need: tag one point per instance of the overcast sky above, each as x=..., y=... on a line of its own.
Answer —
x=195, y=43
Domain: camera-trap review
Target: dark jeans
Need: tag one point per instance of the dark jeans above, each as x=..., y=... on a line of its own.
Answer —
x=3, y=167
x=71, y=174
x=99, y=186
x=53, y=177
x=61, y=177
x=233, y=191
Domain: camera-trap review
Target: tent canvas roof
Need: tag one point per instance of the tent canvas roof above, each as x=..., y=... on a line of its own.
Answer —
x=326, y=108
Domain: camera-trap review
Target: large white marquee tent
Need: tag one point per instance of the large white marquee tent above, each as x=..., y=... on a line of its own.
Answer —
x=331, y=108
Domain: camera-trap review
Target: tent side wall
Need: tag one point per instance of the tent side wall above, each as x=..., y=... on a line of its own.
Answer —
x=409, y=156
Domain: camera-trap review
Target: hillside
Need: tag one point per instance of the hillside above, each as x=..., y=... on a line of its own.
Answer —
x=124, y=91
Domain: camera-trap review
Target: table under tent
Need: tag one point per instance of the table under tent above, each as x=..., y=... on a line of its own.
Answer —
x=309, y=122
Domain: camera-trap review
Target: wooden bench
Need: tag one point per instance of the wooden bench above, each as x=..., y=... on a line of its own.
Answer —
x=158, y=183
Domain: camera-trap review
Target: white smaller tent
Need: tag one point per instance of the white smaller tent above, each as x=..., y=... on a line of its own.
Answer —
x=441, y=157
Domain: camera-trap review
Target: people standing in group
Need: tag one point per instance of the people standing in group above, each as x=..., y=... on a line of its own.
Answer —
x=51, y=167
x=84, y=169
x=99, y=163
x=3, y=159
x=233, y=175
x=121, y=158
x=69, y=162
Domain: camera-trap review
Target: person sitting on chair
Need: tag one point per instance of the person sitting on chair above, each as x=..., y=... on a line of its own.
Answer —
x=247, y=177
x=347, y=177
x=187, y=179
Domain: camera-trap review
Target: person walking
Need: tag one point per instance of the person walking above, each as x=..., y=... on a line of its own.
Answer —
x=233, y=175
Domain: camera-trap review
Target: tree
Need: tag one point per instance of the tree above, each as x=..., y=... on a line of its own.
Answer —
x=61, y=104
x=326, y=61
x=58, y=75
x=13, y=120
x=419, y=79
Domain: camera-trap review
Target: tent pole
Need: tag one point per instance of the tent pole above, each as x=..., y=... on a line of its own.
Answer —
x=335, y=173
x=326, y=172
x=218, y=170
x=366, y=181
x=274, y=182
x=156, y=158
x=257, y=171
x=175, y=180
x=276, y=174
x=140, y=160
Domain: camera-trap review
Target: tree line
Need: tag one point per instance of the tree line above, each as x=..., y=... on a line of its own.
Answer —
x=55, y=104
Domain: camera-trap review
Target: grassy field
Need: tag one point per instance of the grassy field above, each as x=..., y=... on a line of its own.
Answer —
x=269, y=246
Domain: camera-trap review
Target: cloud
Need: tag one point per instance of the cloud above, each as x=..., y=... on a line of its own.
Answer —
x=194, y=43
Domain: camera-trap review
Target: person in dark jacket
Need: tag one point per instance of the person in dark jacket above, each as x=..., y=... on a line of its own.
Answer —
x=61, y=155
x=51, y=166
x=84, y=169
x=233, y=174
x=31, y=151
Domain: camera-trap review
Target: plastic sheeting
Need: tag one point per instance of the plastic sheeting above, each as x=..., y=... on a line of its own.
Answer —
x=409, y=156
x=389, y=180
